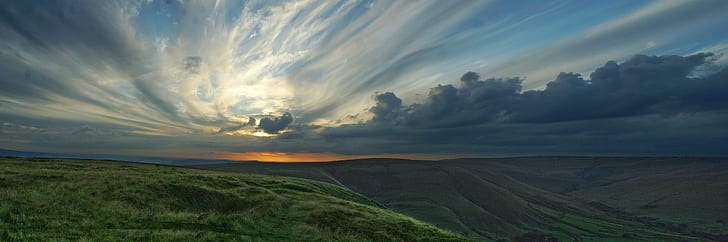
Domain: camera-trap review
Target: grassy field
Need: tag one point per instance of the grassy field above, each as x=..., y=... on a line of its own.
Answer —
x=65, y=199
x=539, y=198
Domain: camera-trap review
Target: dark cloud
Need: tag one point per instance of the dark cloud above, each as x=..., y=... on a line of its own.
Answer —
x=647, y=105
x=387, y=109
x=685, y=134
x=192, y=64
x=251, y=121
x=474, y=102
x=274, y=126
x=639, y=86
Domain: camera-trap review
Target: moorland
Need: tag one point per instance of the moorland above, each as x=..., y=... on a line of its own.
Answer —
x=539, y=198
x=53, y=199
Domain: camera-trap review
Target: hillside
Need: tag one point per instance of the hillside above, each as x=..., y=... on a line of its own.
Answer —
x=566, y=198
x=67, y=199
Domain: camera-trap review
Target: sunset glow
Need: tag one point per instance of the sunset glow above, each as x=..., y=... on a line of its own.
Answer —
x=322, y=157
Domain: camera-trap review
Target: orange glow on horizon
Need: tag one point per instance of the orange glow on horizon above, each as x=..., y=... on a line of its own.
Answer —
x=319, y=157
x=266, y=156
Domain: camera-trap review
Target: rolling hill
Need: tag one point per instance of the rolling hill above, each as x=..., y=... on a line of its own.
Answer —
x=539, y=198
x=68, y=199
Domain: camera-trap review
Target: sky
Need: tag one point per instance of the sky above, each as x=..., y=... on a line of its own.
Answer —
x=328, y=80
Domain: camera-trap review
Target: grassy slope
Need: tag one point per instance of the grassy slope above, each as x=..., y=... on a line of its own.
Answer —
x=63, y=199
x=507, y=198
x=685, y=195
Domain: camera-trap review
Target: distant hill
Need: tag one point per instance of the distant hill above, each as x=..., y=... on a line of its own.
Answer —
x=68, y=199
x=142, y=159
x=16, y=153
x=539, y=198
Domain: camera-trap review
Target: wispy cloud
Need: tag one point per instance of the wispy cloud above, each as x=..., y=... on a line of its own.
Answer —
x=178, y=74
x=618, y=39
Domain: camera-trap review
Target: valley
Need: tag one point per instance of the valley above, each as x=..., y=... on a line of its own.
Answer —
x=565, y=198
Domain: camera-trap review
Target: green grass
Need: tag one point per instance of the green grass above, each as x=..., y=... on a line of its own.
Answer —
x=63, y=199
x=578, y=228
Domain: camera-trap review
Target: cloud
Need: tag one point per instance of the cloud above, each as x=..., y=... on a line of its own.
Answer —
x=82, y=54
x=615, y=39
x=387, y=109
x=251, y=123
x=181, y=74
x=645, y=105
x=639, y=86
x=85, y=131
x=192, y=64
x=42, y=37
x=174, y=67
x=274, y=126
x=347, y=61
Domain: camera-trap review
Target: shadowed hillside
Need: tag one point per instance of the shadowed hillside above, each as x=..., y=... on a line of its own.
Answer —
x=530, y=198
x=65, y=199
